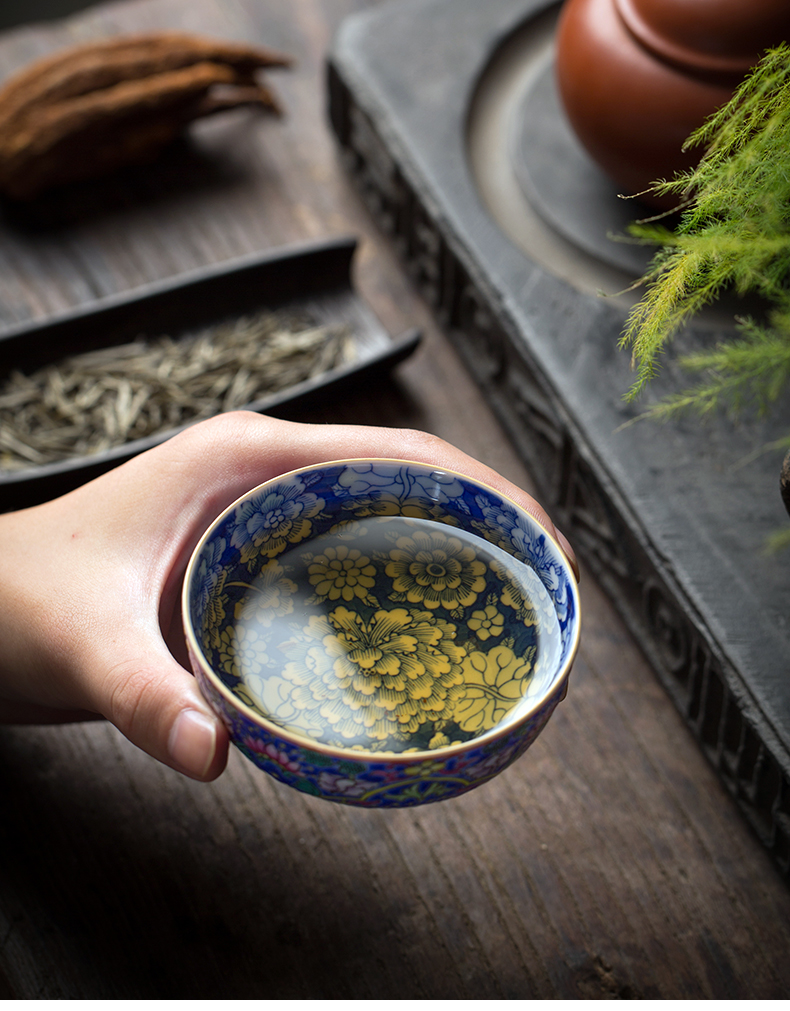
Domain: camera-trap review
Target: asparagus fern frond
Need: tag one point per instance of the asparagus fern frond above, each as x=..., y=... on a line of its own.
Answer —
x=734, y=233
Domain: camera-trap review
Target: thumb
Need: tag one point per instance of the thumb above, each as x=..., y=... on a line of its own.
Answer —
x=158, y=706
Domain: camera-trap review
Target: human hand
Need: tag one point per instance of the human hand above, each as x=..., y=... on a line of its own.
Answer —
x=90, y=582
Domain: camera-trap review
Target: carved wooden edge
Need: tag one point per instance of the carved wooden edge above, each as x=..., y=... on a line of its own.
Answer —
x=706, y=689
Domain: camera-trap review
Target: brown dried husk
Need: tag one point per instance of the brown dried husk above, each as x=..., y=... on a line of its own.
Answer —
x=93, y=108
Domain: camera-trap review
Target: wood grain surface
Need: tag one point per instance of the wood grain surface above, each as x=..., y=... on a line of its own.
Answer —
x=607, y=863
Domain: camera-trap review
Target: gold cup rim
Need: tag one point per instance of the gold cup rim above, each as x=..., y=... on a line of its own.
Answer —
x=557, y=684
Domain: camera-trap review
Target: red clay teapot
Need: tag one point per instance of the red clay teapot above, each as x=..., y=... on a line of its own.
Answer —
x=636, y=77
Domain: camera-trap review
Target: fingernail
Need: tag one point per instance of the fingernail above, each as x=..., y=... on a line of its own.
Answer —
x=193, y=742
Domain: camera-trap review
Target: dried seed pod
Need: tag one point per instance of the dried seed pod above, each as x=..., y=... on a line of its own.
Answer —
x=95, y=107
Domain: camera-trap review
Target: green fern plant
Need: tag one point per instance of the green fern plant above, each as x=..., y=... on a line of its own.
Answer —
x=734, y=233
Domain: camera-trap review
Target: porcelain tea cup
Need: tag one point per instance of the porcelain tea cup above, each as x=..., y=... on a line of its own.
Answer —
x=380, y=632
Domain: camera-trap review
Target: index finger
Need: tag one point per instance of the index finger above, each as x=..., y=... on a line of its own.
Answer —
x=262, y=448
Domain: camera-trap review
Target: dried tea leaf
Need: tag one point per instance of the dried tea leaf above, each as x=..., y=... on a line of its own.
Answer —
x=90, y=402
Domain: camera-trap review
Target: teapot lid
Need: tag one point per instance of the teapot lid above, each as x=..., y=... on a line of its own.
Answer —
x=721, y=36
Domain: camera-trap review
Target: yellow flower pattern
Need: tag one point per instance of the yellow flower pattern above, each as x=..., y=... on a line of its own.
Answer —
x=387, y=675
x=487, y=623
x=410, y=635
x=436, y=570
x=341, y=573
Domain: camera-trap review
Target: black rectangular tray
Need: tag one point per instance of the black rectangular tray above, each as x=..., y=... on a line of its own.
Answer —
x=672, y=529
x=314, y=277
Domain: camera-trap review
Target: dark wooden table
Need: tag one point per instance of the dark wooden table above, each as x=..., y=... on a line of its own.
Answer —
x=607, y=863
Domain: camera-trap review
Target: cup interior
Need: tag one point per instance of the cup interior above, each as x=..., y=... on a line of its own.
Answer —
x=381, y=606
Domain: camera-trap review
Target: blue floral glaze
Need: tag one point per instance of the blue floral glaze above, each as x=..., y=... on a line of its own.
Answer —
x=296, y=509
